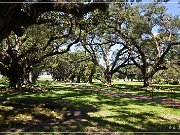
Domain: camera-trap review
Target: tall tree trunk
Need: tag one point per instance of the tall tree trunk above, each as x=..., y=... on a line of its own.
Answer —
x=72, y=77
x=147, y=80
x=14, y=71
x=78, y=79
x=90, y=79
x=15, y=74
x=13, y=82
x=148, y=75
x=33, y=77
x=30, y=77
x=108, y=77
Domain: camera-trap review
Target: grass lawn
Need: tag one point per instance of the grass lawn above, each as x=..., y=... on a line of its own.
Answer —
x=164, y=91
x=58, y=108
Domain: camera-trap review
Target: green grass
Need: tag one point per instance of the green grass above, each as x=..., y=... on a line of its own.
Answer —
x=56, y=107
x=159, y=91
x=3, y=82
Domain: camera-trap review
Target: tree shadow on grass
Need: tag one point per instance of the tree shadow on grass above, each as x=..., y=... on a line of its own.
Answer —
x=64, y=109
x=167, y=92
x=33, y=115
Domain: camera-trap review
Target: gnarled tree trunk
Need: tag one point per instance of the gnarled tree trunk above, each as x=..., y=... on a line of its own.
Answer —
x=15, y=75
x=147, y=81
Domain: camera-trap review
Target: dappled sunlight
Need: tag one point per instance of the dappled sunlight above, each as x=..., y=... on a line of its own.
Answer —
x=21, y=118
x=89, y=66
x=65, y=109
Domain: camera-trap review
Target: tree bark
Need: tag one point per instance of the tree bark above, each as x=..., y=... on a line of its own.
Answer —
x=90, y=79
x=14, y=75
x=15, y=70
x=14, y=18
x=72, y=77
x=147, y=80
x=33, y=77
x=78, y=79
x=108, y=77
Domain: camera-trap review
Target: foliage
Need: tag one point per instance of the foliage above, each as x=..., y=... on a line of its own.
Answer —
x=22, y=15
x=71, y=66
x=104, y=48
x=113, y=40
x=37, y=44
x=134, y=25
x=170, y=76
x=130, y=72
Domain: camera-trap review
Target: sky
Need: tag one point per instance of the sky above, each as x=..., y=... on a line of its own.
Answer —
x=172, y=7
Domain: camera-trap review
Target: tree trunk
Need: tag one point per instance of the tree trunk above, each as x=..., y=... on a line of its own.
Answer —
x=108, y=78
x=15, y=74
x=78, y=79
x=147, y=81
x=30, y=77
x=13, y=82
x=147, y=76
x=90, y=79
x=34, y=77
x=72, y=77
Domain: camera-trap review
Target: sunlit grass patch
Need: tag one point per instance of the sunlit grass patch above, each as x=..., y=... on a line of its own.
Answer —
x=62, y=108
x=48, y=112
x=21, y=117
x=170, y=92
x=6, y=108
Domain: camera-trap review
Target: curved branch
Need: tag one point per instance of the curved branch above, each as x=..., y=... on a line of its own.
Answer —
x=16, y=19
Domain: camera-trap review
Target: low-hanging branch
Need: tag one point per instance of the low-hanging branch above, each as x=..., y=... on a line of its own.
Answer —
x=18, y=19
x=57, y=52
x=157, y=64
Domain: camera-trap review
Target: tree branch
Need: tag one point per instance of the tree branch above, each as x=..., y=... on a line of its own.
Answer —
x=56, y=52
x=16, y=19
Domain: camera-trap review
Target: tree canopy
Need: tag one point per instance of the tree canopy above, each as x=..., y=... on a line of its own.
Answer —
x=112, y=38
x=18, y=16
